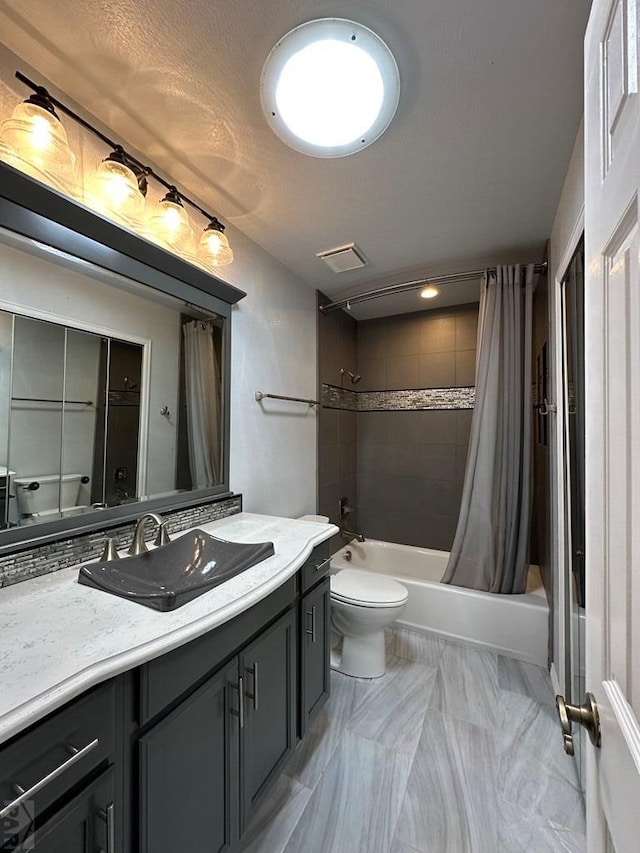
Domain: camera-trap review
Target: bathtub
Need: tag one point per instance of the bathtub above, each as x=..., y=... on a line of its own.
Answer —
x=513, y=625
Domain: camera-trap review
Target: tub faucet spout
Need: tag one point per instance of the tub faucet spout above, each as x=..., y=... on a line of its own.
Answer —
x=350, y=535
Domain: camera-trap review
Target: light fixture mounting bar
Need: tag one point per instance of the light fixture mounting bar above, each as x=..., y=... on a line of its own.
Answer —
x=147, y=170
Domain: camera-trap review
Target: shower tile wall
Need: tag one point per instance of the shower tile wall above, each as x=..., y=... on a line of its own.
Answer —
x=337, y=450
x=411, y=464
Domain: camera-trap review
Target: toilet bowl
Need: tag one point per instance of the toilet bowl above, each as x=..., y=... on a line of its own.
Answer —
x=362, y=606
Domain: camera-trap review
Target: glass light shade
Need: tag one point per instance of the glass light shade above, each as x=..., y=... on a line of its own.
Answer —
x=214, y=249
x=114, y=191
x=38, y=138
x=170, y=226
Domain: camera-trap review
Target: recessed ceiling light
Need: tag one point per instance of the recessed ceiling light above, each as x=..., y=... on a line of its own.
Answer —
x=330, y=87
x=429, y=292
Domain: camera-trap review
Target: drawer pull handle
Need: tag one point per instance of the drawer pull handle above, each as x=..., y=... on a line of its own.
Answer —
x=254, y=672
x=108, y=816
x=76, y=756
x=321, y=565
x=240, y=712
x=312, y=631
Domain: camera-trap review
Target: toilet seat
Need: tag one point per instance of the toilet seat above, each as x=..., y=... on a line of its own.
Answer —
x=364, y=589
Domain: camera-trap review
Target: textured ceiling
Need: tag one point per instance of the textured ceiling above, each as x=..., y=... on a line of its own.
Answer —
x=471, y=167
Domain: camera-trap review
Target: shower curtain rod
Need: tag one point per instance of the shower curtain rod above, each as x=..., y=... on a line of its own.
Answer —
x=392, y=289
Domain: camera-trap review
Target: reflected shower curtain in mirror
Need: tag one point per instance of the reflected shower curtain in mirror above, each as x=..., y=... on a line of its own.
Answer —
x=202, y=383
x=490, y=548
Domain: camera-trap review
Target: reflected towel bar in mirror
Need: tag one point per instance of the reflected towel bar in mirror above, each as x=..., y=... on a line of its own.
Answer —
x=260, y=395
x=47, y=400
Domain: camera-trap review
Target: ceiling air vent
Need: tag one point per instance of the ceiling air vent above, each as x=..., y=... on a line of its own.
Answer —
x=343, y=258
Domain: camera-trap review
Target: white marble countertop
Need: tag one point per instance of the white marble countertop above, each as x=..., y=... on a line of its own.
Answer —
x=59, y=638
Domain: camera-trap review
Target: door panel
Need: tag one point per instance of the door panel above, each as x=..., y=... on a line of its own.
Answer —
x=612, y=325
x=82, y=825
x=189, y=773
x=314, y=650
x=268, y=666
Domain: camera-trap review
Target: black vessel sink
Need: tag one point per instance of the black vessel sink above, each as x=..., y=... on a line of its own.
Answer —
x=173, y=574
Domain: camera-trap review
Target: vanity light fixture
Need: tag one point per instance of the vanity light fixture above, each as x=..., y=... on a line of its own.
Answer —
x=429, y=292
x=118, y=188
x=330, y=87
x=35, y=141
x=169, y=222
x=214, y=249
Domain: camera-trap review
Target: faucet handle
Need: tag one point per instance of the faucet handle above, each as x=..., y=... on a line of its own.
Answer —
x=163, y=537
x=109, y=552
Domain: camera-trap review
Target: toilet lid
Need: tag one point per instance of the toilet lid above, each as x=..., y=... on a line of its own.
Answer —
x=357, y=587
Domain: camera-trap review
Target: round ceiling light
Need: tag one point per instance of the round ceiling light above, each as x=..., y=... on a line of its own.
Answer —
x=330, y=87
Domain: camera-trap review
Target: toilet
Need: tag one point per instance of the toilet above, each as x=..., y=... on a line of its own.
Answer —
x=362, y=606
x=48, y=495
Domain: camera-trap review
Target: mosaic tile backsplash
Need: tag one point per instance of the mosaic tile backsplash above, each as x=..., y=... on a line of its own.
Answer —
x=339, y=398
x=398, y=401
x=53, y=556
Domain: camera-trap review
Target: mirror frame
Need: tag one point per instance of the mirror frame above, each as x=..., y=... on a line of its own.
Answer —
x=41, y=214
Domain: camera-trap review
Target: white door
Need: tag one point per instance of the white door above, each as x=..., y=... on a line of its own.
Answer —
x=612, y=400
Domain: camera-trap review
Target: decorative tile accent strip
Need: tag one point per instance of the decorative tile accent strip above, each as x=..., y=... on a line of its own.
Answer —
x=422, y=398
x=44, y=559
x=334, y=397
x=398, y=401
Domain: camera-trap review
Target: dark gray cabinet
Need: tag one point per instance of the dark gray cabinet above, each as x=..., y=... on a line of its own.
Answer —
x=43, y=771
x=189, y=772
x=268, y=668
x=314, y=652
x=204, y=768
x=179, y=753
x=84, y=825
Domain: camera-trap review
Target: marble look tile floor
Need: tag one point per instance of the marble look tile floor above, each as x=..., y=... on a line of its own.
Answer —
x=453, y=750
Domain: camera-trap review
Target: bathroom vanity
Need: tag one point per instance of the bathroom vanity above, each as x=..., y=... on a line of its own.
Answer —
x=133, y=730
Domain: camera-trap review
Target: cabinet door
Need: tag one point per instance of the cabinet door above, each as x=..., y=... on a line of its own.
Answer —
x=314, y=652
x=189, y=772
x=85, y=825
x=268, y=669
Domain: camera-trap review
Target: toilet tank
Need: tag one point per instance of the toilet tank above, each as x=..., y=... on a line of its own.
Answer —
x=42, y=494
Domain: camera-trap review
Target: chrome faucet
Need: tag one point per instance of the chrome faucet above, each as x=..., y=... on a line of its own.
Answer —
x=138, y=546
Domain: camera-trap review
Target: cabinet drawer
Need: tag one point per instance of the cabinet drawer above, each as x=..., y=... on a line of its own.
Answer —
x=317, y=566
x=87, y=824
x=52, y=756
x=164, y=680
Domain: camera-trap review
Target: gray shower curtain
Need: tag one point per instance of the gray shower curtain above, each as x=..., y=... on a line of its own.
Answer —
x=490, y=548
x=202, y=386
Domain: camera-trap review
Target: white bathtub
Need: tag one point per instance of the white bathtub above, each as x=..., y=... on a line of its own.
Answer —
x=513, y=625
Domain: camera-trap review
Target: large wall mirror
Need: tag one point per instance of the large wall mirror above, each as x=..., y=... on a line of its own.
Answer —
x=111, y=393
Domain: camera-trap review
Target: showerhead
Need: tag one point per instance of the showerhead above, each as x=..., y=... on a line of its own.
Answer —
x=354, y=377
